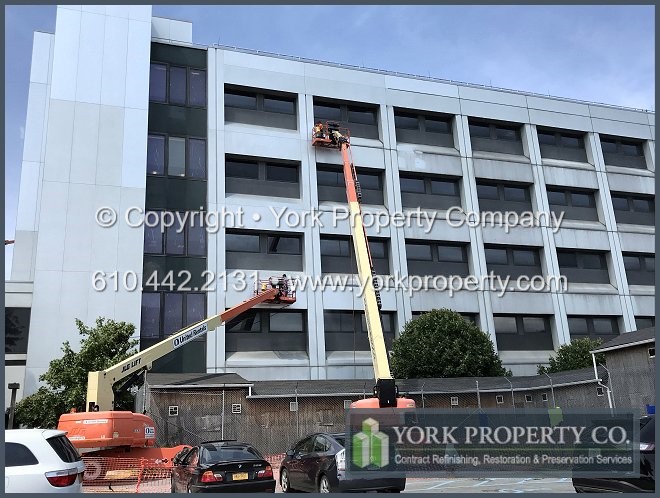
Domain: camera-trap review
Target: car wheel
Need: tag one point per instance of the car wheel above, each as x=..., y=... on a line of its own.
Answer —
x=285, y=483
x=172, y=488
x=324, y=485
x=189, y=489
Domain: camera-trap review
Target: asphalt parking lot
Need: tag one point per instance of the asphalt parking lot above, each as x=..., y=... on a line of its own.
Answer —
x=490, y=485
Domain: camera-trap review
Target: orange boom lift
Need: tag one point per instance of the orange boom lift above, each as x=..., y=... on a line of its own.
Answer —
x=105, y=432
x=330, y=134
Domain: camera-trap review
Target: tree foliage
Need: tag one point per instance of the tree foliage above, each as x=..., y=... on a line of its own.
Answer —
x=106, y=344
x=441, y=343
x=572, y=356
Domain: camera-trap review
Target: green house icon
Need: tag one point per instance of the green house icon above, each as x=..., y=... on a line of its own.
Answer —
x=370, y=446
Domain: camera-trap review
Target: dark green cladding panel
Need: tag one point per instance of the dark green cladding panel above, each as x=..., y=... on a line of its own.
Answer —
x=180, y=56
x=175, y=194
x=177, y=120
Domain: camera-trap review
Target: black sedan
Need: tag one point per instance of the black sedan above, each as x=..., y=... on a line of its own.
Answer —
x=222, y=466
x=644, y=483
x=317, y=463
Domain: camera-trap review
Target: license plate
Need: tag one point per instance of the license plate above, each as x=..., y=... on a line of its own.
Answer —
x=239, y=476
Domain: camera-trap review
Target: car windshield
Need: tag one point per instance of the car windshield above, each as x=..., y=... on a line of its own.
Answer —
x=340, y=440
x=647, y=432
x=212, y=453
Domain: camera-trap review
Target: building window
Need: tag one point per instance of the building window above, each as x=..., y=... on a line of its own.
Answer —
x=489, y=136
x=437, y=258
x=513, y=261
x=418, y=127
x=17, y=330
x=429, y=191
x=544, y=397
x=454, y=401
x=652, y=352
x=499, y=399
x=575, y=204
x=186, y=156
x=266, y=177
x=523, y=333
x=503, y=197
x=175, y=85
x=561, y=144
x=165, y=313
x=599, y=391
x=347, y=330
x=625, y=152
x=250, y=249
x=640, y=268
x=264, y=330
x=634, y=209
x=260, y=107
x=186, y=240
x=360, y=119
x=594, y=327
x=644, y=322
x=528, y=398
x=331, y=185
x=337, y=255
x=583, y=266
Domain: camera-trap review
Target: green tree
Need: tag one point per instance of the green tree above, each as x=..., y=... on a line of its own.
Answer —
x=572, y=356
x=441, y=343
x=106, y=344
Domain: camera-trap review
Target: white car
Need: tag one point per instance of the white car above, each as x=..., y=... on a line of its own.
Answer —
x=41, y=461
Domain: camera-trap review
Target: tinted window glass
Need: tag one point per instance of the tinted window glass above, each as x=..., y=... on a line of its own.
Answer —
x=546, y=138
x=156, y=155
x=327, y=111
x=406, y=122
x=650, y=263
x=533, y=324
x=443, y=187
x=249, y=321
x=487, y=191
x=479, y=130
x=436, y=126
x=557, y=198
x=217, y=453
x=525, y=258
x=18, y=455
x=196, y=158
x=173, y=311
x=515, y=193
x=496, y=256
x=631, y=262
x=506, y=134
x=567, y=259
x=362, y=116
x=17, y=330
x=153, y=238
x=620, y=203
x=412, y=185
x=631, y=149
x=157, y=83
x=150, y=320
x=378, y=249
x=334, y=247
x=369, y=180
x=567, y=141
x=608, y=146
x=286, y=322
x=178, y=76
x=284, y=245
x=64, y=449
x=176, y=156
x=593, y=261
x=451, y=253
x=196, y=239
x=578, y=326
x=238, y=169
x=241, y=100
x=195, y=308
x=581, y=200
x=281, y=173
x=647, y=433
x=241, y=242
x=330, y=178
x=605, y=326
x=174, y=240
x=197, y=87
x=282, y=105
x=418, y=252
x=505, y=324
x=642, y=205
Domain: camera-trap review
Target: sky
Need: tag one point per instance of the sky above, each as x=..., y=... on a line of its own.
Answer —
x=595, y=53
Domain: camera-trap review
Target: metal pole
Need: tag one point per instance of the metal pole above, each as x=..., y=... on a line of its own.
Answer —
x=423, y=395
x=513, y=401
x=610, y=398
x=222, y=418
x=297, y=413
x=552, y=390
x=14, y=386
x=478, y=396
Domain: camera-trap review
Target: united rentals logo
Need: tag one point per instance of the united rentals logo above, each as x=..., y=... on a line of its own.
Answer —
x=370, y=446
x=189, y=336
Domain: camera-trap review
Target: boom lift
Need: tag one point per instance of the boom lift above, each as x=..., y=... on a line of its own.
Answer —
x=104, y=428
x=330, y=134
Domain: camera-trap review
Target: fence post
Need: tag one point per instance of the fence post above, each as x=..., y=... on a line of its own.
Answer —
x=423, y=394
x=552, y=390
x=297, y=413
x=478, y=396
x=513, y=399
x=610, y=398
x=222, y=417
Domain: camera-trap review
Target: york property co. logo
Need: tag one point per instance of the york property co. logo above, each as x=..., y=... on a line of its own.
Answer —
x=370, y=446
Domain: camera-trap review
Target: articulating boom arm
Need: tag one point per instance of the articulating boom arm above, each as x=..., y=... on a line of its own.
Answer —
x=100, y=393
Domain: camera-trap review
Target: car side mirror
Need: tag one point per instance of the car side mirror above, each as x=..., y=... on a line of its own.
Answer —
x=289, y=453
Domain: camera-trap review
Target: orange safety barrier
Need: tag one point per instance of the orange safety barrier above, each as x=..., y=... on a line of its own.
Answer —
x=126, y=475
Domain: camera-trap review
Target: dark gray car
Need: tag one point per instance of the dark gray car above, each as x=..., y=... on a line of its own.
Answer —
x=317, y=463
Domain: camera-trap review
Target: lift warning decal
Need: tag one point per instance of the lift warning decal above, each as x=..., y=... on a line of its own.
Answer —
x=189, y=335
